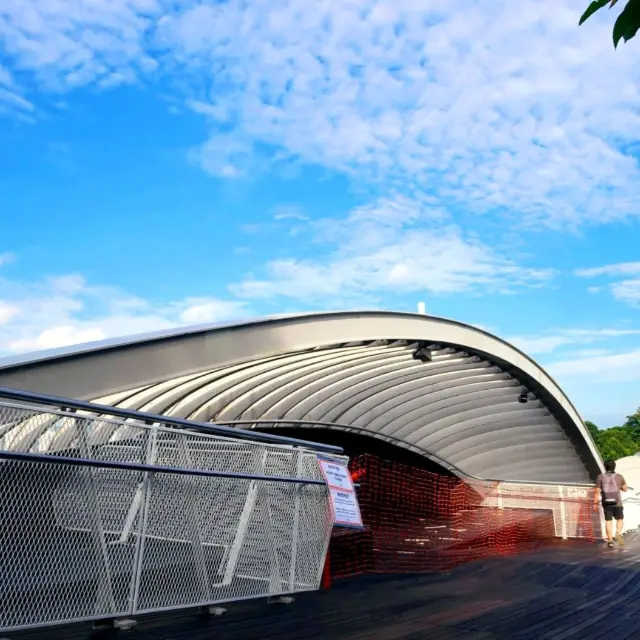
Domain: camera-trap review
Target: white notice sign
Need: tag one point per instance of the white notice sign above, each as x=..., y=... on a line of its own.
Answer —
x=344, y=502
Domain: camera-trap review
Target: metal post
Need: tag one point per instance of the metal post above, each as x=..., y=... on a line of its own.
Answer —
x=105, y=588
x=325, y=582
x=563, y=514
x=190, y=486
x=132, y=514
x=326, y=551
x=243, y=525
x=298, y=462
x=275, y=576
x=145, y=499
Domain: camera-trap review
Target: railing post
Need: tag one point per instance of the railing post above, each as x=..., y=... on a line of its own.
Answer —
x=325, y=582
x=191, y=487
x=563, y=514
x=145, y=497
x=298, y=457
x=275, y=575
x=97, y=527
x=243, y=524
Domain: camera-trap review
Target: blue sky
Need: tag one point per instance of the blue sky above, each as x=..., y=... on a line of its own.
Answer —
x=166, y=164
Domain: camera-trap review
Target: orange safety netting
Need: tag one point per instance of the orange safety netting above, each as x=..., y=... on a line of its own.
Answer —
x=419, y=521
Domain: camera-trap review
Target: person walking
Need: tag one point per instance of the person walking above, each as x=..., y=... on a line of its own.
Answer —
x=608, y=494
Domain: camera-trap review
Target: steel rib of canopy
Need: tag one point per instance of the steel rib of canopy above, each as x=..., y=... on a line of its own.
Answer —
x=460, y=408
x=349, y=370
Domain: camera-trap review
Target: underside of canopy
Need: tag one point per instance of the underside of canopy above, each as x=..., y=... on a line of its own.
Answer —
x=462, y=407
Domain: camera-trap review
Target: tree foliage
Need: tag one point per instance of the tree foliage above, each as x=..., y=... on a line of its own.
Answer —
x=593, y=430
x=628, y=22
x=617, y=442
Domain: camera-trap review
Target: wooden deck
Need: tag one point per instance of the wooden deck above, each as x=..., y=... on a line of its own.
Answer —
x=582, y=592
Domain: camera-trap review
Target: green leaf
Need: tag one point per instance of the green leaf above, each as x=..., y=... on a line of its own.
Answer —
x=628, y=23
x=596, y=5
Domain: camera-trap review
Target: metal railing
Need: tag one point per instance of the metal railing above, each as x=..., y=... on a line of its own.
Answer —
x=108, y=518
x=570, y=505
x=94, y=409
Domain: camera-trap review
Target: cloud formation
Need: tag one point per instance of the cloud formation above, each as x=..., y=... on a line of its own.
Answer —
x=71, y=44
x=613, y=367
x=390, y=247
x=626, y=280
x=64, y=310
x=555, y=339
x=491, y=108
x=502, y=106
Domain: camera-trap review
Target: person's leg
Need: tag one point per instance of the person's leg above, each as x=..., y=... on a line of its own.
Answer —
x=619, y=525
x=608, y=524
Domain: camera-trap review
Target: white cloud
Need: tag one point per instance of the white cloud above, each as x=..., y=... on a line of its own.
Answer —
x=66, y=310
x=617, y=367
x=289, y=212
x=7, y=312
x=625, y=289
x=590, y=353
x=491, y=106
x=6, y=79
x=395, y=246
x=69, y=44
x=11, y=103
x=602, y=382
x=251, y=228
x=620, y=269
x=57, y=337
x=78, y=41
x=11, y=99
x=203, y=310
x=561, y=338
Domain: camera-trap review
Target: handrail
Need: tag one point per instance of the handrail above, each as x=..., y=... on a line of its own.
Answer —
x=541, y=483
x=143, y=416
x=134, y=466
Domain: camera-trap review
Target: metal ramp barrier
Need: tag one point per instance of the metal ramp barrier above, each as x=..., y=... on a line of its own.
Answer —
x=153, y=517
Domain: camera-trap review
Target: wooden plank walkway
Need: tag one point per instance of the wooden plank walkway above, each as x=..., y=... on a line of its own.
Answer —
x=584, y=592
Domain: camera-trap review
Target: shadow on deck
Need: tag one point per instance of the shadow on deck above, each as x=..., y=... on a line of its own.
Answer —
x=565, y=592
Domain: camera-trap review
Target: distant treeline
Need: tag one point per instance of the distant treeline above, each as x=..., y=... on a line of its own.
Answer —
x=617, y=442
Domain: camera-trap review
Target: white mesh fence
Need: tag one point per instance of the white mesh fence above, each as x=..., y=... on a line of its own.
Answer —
x=84, y=542
x=573, y=516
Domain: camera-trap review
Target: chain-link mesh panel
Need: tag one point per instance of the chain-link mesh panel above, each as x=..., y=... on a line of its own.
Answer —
x=81, y=542
x=570, y=506
x=49, y=573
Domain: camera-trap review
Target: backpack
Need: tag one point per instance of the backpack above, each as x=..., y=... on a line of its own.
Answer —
x=610, y=489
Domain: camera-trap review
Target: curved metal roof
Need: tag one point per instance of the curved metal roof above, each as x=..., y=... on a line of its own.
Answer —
x=352, y=371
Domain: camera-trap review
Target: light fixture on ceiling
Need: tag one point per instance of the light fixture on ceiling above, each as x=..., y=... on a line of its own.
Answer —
x=422, y=353
x=523, y=398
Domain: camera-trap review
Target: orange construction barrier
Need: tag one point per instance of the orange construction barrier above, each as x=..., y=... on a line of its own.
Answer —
x=418, y=521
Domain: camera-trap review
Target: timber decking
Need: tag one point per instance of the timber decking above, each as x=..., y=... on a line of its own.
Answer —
x=568, y=592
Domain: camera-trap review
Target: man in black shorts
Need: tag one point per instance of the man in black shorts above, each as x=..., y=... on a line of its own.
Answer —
x=609, y=486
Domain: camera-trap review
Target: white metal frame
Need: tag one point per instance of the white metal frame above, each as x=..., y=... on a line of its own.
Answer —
x=122, y=525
